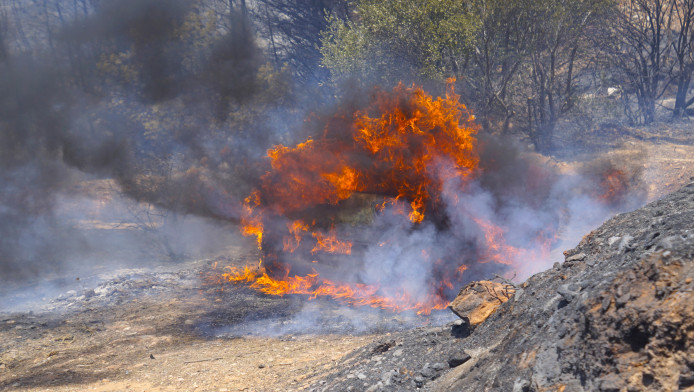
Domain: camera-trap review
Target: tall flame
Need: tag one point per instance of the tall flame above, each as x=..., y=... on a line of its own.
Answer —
x=394, y=148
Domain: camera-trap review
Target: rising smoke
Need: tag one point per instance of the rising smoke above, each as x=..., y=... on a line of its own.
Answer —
x=69, y=112
x=72, y=111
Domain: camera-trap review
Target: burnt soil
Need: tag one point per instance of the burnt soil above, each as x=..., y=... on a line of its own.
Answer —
x=616, y=317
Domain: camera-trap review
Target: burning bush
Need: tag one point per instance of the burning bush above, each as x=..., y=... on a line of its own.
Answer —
x=394, y=157
x=385, y=207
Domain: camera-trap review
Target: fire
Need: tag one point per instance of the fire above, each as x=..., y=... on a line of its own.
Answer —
x=393, y=149
x=251, y=220
x=403, y=146
x=291, y=243
x=613, y=184
x=330, y=244
x=312, y=286
x=497, y=249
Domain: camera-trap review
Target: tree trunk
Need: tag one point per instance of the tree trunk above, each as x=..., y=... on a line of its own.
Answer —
x=681, y=97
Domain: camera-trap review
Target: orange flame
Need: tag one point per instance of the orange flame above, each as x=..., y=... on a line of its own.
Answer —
x=252, y=220
x=401, y=137
x=497, y=249
x=330, y=244
x=614, y=185
x=291, y=243
x=394, y=148
x=351, y=293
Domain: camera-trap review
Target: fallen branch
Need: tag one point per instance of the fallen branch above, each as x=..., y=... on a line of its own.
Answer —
x=203, y=360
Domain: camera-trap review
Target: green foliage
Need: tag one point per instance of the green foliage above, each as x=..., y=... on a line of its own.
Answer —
x=515, y=57
x=389, y=39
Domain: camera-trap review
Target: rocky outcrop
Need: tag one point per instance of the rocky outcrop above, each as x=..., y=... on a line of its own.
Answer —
x=478, y=300
x=616, y=315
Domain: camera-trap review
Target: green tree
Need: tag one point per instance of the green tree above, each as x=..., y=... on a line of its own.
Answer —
x=392, y=40
x=292, y=28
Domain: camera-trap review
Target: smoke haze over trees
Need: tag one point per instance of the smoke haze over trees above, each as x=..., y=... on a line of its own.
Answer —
x=177, y=101
x=525, y=64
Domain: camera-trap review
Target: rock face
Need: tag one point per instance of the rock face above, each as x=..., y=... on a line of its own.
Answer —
x=478, y=300
x=617, y=315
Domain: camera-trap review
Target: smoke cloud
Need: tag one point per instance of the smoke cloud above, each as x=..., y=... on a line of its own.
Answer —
x=143, y=96
x=72, y=111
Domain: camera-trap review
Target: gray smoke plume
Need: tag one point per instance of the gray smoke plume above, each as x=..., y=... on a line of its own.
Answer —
x=63, y=121
x=116, y=93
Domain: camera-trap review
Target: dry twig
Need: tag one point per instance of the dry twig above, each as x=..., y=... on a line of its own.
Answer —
x=203, y=360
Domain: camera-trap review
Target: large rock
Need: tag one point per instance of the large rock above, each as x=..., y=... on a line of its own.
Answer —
x=478, y=300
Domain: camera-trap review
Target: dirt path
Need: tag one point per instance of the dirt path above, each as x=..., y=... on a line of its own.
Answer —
x=160, y=343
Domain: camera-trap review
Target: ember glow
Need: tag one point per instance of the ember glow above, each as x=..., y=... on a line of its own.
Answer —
x=614, y=185
x=406, y=154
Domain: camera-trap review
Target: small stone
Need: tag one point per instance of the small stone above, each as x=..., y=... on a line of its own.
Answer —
x=189, y=322
x=373, y=388
x=521, y=386
x=606, y=302
x=611, y=383
x=261, y=366
x=478, y=300
x=438, y=366
x=419, y=381
x=460, y=329
x=458, y=359
x=151, y=356
x=568, y=291
x=577, y=257
x=361, y=376
x=427, y=372
x=612, y=240
x=397, y=352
